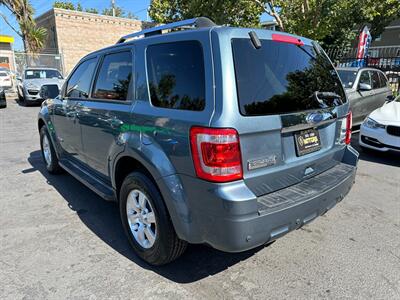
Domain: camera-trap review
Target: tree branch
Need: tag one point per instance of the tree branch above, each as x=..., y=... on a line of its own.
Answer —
x=269, y=8
x=9, y=24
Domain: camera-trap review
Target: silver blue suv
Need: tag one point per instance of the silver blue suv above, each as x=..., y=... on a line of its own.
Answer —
x=230, y=137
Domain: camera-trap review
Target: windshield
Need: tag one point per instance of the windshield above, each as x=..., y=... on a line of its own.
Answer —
x=282, y=78
x=40, y=74
x=348, y=77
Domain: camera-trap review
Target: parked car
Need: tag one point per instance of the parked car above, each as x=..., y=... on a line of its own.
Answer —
x=230, y=137
x=5, y=79
x=33, y=78
x=3, y=102
x=366, y=88
x=381, y=129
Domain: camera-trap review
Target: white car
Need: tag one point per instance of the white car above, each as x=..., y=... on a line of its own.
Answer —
x=5, y=79
x=381, y=129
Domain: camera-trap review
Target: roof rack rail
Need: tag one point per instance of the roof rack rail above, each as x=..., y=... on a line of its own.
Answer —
x=199, y=22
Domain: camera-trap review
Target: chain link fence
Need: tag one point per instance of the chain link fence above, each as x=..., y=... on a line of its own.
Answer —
x=28, y=60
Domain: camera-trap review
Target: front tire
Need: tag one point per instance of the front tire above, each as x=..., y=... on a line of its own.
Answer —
x=146, y=221
x=48, y=153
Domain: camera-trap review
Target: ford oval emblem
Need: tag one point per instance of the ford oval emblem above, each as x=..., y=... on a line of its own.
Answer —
x=314, y=118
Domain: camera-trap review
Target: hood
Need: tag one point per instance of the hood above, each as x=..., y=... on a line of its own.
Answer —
x=41, y=81
x=388, y=114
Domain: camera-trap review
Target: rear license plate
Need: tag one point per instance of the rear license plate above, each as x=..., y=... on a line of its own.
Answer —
x=307, y=141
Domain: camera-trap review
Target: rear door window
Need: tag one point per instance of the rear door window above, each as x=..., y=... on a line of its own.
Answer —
x=79, y=83
x=114, y=77
x=383, y=80
x=175, y=74
x=283, y=78
x=375, y=80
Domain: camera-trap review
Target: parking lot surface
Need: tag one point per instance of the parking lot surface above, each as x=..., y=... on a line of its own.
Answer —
x=60, y=240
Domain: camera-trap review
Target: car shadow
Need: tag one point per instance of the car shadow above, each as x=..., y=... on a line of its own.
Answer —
x=388, y=158
x=102, y=218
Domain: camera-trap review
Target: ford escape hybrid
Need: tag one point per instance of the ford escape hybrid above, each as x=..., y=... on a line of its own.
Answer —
x=230, y=137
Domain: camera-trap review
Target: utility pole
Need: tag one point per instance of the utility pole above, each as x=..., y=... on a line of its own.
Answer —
x=113, y=7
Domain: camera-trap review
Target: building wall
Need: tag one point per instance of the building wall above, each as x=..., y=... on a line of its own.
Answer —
x=48, y=21
x=390, y=36
x=79, y=33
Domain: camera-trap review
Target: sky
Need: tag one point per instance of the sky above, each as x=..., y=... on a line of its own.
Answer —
x=137, y=7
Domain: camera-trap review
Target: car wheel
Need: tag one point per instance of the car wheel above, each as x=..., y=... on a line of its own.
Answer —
x=146, y=221
x=48, y=153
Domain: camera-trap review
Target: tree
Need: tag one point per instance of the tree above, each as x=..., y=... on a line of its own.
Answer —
x=332, y=22
x=91, y=10
x=64, y=5
x=119, y=12
x=233, y=12
x=33, y=37
x=328, y=21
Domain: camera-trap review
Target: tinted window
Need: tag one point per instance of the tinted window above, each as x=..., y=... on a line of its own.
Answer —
x=35, y=74
x=375, y=80
x=176, y=75
x=282, y=78
x=3, y=74
x=364, y=78
x=347, y=77
x=79, y=83
x=114, y=77
x=382, y=80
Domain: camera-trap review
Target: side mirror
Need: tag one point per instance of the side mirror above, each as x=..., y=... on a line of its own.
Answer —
x=19, y=78
x=49, y=91
x=390, y=98
x=364, y=87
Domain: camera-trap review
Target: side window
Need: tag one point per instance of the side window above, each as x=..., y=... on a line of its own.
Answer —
x=383, y=80
x=78, y=85
x=375, y=80
x=364, y=78
x=176, y=75
x=114, y=77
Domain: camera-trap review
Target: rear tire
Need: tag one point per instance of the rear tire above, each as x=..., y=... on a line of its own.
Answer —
x=48, y=153
x=164, y=245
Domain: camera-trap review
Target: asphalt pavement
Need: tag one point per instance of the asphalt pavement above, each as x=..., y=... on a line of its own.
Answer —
x=60, y=240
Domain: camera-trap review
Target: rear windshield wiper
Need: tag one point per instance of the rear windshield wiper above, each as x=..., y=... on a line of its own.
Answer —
x=330, y=97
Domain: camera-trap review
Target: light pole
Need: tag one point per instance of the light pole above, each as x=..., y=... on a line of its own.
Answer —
x=113, y=7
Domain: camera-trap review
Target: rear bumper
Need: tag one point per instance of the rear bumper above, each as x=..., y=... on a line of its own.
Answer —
x=230, y=218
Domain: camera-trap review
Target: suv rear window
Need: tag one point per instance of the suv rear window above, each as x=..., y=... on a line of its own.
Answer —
x=283, y=78
x=176, y=75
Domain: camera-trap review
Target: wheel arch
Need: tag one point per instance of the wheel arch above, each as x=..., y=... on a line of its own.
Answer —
x=131, y=161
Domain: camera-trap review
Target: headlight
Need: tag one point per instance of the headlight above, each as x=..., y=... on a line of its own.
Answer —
x=32, y=86
x=370, y=123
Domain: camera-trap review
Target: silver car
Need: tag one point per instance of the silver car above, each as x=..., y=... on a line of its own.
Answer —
x=367, y=89
x=33, y=79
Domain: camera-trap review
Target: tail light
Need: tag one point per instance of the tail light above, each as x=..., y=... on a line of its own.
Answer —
x=349, y=124
x=6, y=79
x=216, y=154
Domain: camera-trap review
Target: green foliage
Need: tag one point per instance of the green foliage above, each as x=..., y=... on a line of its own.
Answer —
x=337, y=22
x=32, y=36
x=119, y=12
x=91, y=10
x=64, y=4
x=70, y=6
x=328, y=21
x=234, y=12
